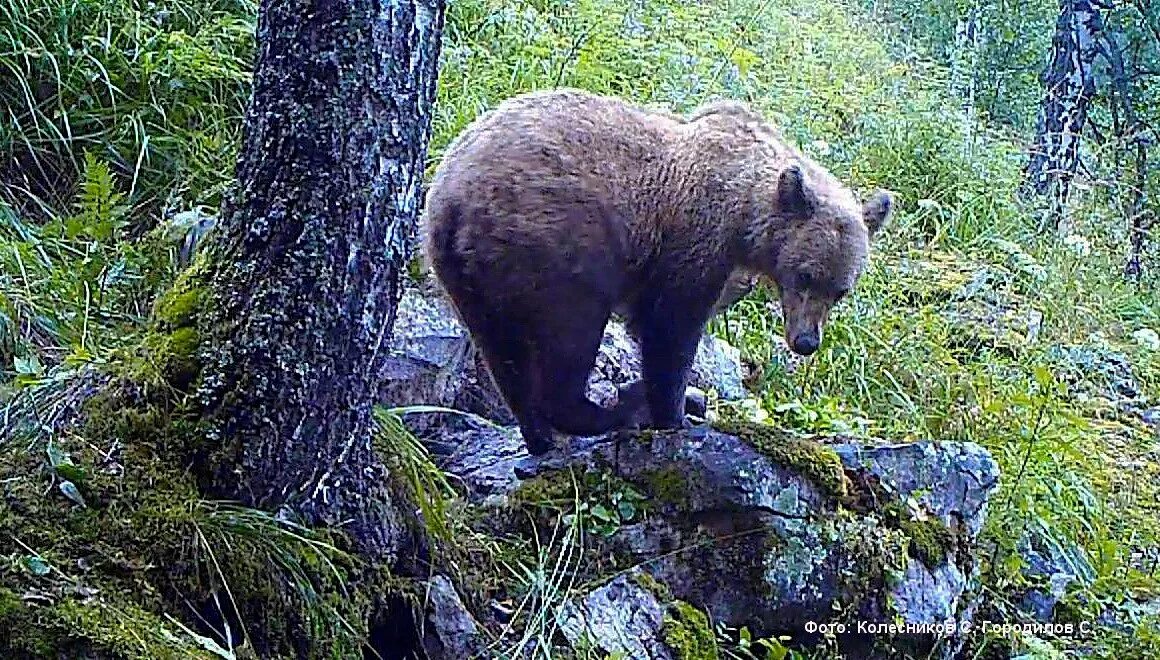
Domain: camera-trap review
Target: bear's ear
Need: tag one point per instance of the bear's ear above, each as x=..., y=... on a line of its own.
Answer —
x=791, y=191
x=877, y=210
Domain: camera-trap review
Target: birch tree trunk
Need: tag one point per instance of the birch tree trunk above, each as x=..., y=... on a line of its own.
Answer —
x=1068, y=90
x=303, y=275
x=965, y=70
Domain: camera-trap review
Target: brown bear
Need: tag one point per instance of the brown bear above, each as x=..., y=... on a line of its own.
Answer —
x=559, y=207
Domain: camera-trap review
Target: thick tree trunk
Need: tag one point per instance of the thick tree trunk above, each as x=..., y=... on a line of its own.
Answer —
x=1068, y=90
x=303, y=274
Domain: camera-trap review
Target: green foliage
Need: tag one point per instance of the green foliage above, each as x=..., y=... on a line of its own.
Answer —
x=73, y=289
x=403, y=454
x=155, y=89
x=597, y=501
x=1001, y=63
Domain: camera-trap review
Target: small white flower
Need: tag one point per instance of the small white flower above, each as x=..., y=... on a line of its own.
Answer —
x=1147, y=338
x=1078, y=244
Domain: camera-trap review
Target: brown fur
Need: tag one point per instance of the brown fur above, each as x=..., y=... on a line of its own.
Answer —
x=558, y=207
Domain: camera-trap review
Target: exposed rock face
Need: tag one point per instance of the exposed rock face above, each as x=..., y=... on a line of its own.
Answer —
x=769, y=544
x=621, y=617
x=449, y=631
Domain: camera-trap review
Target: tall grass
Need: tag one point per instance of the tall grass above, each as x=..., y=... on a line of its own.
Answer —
x=154, y=89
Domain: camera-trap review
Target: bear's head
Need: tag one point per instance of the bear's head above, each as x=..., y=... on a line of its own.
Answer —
x=815, y=246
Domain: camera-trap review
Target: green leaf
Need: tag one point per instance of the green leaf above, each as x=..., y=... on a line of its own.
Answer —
x=204, y=642
x=70, y=472
x=600, y=512
x=1043, y=377
x=626, y=509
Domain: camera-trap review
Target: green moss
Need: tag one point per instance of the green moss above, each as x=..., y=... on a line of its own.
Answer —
x=687, y=633
x=126, y=630
x=666, y=486
x=814, y=460
x=930, y=539
x=648, y=582
x=874, y=555
x=166, y=357
x=179, y=307
x=147, y=545
x=557, y=490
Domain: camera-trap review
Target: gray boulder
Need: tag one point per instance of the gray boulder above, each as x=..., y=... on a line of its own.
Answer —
x=449, y=631
x=430, y=354
x=620, y=617
x=774, y=532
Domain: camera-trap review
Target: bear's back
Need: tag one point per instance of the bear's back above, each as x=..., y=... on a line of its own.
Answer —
x=559, y=137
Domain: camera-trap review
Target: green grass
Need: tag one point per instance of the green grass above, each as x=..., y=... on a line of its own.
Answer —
x=154, y=89
x=121, y=111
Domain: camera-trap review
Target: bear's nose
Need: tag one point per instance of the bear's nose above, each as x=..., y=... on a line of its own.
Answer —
x=805, y=343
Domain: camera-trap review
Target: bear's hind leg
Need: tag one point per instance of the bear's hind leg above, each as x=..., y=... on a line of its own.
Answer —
x=509, y=359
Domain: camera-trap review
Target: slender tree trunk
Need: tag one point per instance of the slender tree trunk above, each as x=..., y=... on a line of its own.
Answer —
x=1130, y=131
x=965, y=69
x=1140, y=219
x=303, y=274
x=1068, y=90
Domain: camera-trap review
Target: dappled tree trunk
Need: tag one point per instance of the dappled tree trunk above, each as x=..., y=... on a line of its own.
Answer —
x=1140, y=217
x=302, y=276
x=1068, y=88
x=965, y=69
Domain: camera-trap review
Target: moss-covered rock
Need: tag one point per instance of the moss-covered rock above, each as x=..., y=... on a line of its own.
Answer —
x=667, y=485
x=688, y=634
x=810, y=458
x=654, y=586
x=930, y=539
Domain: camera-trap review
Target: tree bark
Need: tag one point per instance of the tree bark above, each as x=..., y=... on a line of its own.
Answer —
x=965, y=69
x=302, y=275
x=1068, y=90
x=1133, y=133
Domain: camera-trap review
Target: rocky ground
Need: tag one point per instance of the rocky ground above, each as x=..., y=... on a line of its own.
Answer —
x=760, y=528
